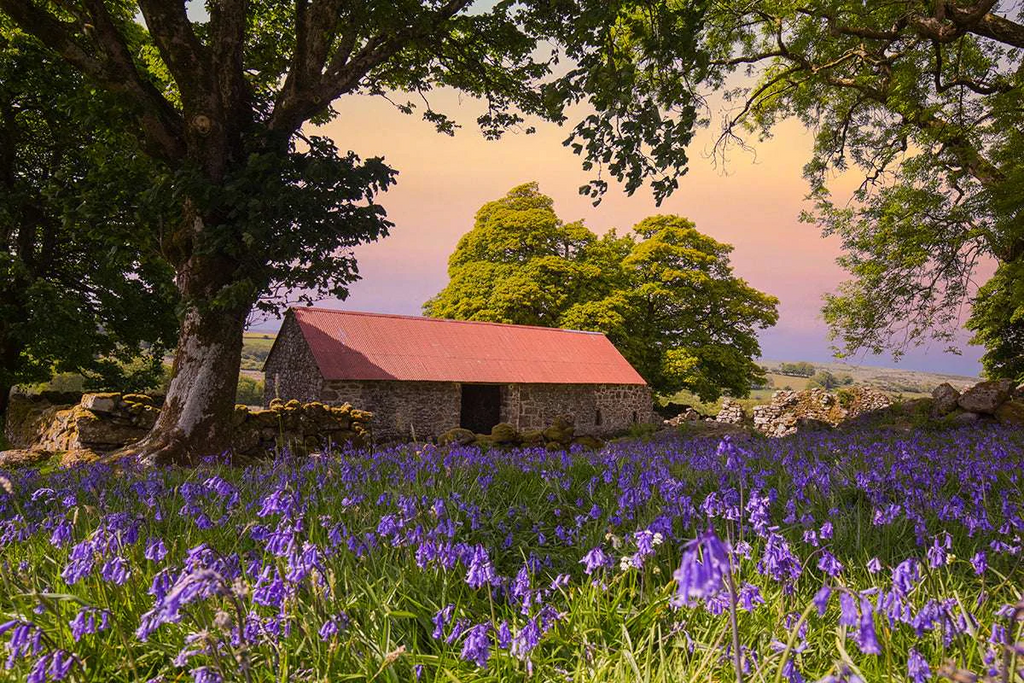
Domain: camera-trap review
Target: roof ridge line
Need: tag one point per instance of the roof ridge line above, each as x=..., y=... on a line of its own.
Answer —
x=424, y=318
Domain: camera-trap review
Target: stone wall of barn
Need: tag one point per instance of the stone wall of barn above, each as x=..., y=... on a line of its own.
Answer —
x=291, y=370
x=426, y=410
x=597, y=409
x=401, y=410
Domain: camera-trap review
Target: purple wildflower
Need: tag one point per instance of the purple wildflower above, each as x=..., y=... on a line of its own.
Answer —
x=703, y=569
x=867, y=639
x=477, y=645
x=441, y=620
x=594, y=560
x=848, y=610
x=156, y=551
x=84, y=622
x=821, y=599
x=979, y=562
x=829, y=564
x=480, y=572
x=874, y=566
x=918, y=670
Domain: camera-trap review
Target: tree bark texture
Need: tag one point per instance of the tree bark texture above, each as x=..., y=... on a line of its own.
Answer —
x=5, y=399
x=196, y=417
x=195, y=420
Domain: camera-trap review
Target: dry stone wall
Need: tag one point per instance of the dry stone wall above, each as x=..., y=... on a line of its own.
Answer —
x=789, y=410
x=103, y=423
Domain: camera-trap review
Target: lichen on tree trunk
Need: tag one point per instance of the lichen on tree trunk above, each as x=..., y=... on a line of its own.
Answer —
x=195, y=420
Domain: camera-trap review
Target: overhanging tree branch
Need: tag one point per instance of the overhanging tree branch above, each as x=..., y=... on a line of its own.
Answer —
x=107, y=61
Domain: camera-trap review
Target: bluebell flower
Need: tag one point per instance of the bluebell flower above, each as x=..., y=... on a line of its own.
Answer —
x=750, y=596
x=936, y=555
x=867, y=638
x=874, y=566
x=594, y=560
x=703, y=569
x=504, y=636
x=477, y=645
x=829, y=564
x=848, y=610
x=526, y=639
x=85, y=622
x=156, y=551
x=918, y=670
x=979, y=562
x=905, y=575
x=821, y=599
x=115, y=570
x=480, y=572
x=441, y=620
x=205, y=674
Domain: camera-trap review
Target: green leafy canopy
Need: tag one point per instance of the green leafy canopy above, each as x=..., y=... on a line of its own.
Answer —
x=664, y=294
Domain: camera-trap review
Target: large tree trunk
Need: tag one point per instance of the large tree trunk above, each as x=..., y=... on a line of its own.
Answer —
x=195, y=420
x=5, y=399
x=196, y=417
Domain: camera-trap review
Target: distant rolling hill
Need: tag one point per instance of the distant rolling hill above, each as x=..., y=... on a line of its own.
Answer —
x=892, y=380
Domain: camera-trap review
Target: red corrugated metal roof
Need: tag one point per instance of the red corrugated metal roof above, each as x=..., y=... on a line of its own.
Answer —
x=375, y=346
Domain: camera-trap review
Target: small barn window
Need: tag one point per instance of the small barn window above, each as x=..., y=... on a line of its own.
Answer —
x=636, y=418
x=597, y=417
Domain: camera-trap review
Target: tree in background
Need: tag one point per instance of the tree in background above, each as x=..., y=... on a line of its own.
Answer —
x=826, y=380
x=81, y=287
x=665, y=294
x=798, y=369
x=997, y=320
x=923, y=98
x=266, y=207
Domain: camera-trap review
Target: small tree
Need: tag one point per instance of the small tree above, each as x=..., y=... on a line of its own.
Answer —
x=664, y=294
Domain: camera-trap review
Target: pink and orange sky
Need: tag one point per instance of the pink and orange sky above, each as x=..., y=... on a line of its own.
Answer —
x=753, y=205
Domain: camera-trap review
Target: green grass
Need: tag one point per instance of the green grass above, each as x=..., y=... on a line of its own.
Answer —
x=617, y=625
x=255, y=349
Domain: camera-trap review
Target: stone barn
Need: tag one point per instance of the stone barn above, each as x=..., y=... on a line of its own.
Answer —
x=423, y=376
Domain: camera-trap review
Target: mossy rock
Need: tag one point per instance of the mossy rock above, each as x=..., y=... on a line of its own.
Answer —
x=1011, y=414
x=457, y=436
x=504, y=433
x=23, y=457
x=78, y=456
x=591, y=442
x=564, y=423
x=555, y=446
x=276, y=404
x=559, y=436
x=532, y=437
x=360, y=415
x=240, y=415
x=138, y=398
x=344, y=409
x=266, y=418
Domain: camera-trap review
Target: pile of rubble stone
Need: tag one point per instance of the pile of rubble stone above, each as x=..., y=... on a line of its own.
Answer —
x=730, y=413
x=790, y=411
x=688, y=414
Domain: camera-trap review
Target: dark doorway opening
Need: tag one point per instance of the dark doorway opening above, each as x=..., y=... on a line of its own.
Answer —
x=481, y=407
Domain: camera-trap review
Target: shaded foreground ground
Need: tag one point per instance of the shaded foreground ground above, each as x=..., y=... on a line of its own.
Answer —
x=884, y=556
